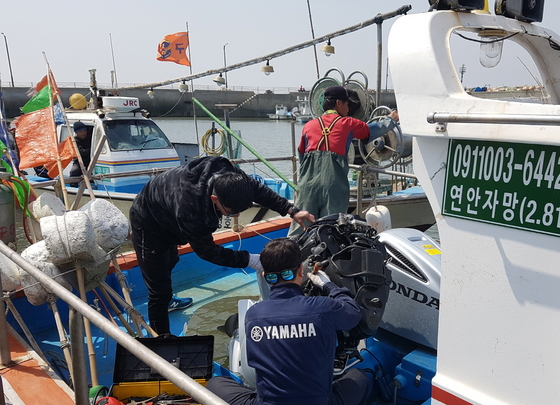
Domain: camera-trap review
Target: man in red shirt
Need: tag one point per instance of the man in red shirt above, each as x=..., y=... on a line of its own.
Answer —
x=323, y=188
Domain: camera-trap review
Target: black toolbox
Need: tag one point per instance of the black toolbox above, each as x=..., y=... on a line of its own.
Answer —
x=133, y=379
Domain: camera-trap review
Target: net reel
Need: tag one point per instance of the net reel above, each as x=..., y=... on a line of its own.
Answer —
x=384, y=151
x=317, y=93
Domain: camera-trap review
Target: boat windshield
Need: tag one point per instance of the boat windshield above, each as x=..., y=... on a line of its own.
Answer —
x=135, y=134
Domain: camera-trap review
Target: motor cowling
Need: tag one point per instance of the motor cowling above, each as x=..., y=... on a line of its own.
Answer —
x=348, y=250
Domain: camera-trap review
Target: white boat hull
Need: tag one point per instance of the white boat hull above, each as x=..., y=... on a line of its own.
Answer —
x=499, y=282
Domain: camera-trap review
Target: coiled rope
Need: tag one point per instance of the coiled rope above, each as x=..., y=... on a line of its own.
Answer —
x=214, y=151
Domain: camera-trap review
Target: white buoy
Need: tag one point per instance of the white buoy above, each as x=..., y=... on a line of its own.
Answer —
x=110, y=225
x=37, y=255
x=379, y=218
x=10, y=274
x=69, y=238
x=46, y=205
x=95, y=270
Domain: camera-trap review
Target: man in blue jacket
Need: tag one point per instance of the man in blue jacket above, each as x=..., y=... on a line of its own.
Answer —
x=184, y=205
x=291, y=339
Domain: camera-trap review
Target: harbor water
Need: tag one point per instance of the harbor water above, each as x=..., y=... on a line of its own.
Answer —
x=269, y=138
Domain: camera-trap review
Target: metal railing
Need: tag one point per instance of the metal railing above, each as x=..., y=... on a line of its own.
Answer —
x=487, y=118
x=166, y=369
x=205, y=87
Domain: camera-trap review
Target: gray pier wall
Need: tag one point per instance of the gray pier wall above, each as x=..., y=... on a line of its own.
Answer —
x=172, y=103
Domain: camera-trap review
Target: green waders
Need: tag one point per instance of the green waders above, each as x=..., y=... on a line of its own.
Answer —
x=323, y=188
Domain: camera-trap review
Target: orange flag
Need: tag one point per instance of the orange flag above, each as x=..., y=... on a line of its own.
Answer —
x=35, y=138
x=32, y=92
x=173, y=48
x=67, y=155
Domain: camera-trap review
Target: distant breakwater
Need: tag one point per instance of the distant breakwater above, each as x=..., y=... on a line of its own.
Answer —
x=172, y=103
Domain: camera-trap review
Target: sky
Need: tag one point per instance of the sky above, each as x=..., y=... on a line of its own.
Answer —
x=76, y=36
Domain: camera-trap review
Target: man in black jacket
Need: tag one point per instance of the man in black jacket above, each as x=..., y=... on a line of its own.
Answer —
x=184, y=205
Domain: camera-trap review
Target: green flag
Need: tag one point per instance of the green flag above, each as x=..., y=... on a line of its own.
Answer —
x=6, y=166
x=40, y=101
x=4, y=150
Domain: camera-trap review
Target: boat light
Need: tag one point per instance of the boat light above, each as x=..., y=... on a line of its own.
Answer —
x=150, y=93
x=491, y=47
x=183, y=87
x=267, y=69
x=219, y=80
x=523, y=10
x=458, y=4
x=328, y=48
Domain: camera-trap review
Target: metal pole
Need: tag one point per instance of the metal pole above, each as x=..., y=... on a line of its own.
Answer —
x=313, y=37
x=294, y=160
x=81, y=391
x=270, y=56
x=9, y=62
x=230, y=146
x=462, y=70
x=159, y=364
x=5, y=357
x=379, y=62
x=368, y=169
x=2, y=400
x=225, y=64
x=482, y=118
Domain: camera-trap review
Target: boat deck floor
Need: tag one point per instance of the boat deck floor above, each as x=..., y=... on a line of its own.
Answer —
x=214, y=300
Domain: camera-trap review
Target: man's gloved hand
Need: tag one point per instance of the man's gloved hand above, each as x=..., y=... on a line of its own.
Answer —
x=255, y=262
x=319, y=279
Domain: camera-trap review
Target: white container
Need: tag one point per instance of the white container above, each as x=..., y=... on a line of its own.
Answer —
x=379, y=218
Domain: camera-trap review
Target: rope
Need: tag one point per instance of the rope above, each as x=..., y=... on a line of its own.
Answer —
x=245, y=102
x=220, y=149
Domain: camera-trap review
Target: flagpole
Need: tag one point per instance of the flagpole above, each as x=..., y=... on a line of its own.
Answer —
x=80, y=160
x=58, y=160
x=113, y=56
x=192, y=85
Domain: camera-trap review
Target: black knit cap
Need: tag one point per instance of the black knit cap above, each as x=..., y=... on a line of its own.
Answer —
x=336, y=93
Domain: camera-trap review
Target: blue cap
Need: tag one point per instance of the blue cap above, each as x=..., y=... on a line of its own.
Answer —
x=78, y=126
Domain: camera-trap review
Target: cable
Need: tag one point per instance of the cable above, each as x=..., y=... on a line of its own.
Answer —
x=172, y=108
x=485, y=42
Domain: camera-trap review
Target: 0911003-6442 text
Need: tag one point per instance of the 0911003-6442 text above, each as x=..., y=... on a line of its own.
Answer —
x=509, y=184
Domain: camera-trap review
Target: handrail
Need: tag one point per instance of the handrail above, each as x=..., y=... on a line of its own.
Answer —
x=176, y=376
x=369, y=169
x=132, y=173
x=482, y=118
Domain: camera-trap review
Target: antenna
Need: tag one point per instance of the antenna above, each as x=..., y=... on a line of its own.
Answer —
x=113, y=56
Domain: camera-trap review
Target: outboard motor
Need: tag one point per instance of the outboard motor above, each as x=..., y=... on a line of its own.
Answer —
x=348, y=250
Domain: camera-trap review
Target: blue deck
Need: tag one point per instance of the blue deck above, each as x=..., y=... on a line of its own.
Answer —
x=192, y=277
x=388, y=355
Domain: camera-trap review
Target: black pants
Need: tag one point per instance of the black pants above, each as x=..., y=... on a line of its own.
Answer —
x=352, y=388
x=156, y=260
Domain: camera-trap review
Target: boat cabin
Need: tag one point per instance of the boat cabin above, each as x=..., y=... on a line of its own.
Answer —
x=133, y=142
